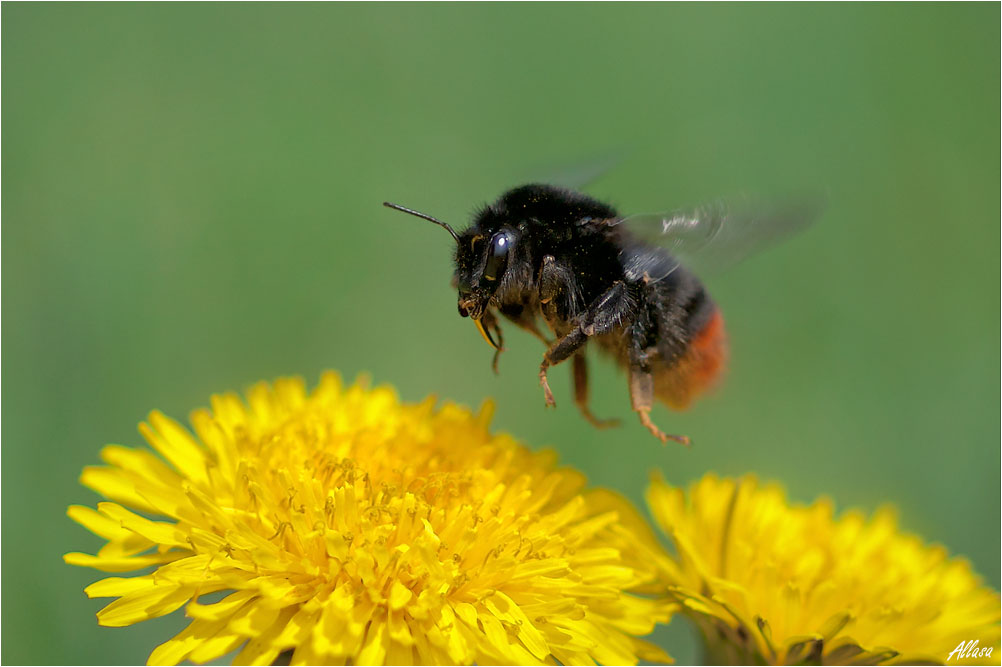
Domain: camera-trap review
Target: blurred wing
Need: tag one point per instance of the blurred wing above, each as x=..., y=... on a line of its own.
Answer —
x=577, y=175
x=716, y=235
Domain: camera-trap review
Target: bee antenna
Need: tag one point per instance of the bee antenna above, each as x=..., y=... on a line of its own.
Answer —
x=426, y=217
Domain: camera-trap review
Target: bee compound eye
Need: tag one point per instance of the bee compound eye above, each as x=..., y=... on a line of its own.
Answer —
x=500, y=245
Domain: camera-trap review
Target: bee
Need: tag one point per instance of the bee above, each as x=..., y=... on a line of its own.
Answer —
x=550, y=254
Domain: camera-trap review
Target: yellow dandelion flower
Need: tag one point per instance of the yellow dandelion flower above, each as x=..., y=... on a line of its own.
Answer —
x=767, y=582
x=344, y=526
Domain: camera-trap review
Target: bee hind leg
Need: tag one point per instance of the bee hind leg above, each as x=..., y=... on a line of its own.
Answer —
x=581, y=393
x=642, y=399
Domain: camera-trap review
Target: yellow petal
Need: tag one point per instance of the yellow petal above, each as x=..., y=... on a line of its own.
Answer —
x=98, y=523
x=399, y=629
x=222, y=447
x=158, y=532
x=176, y=445
x=218, y=645
x=652, y=653
x=400, y=654
x=113, y=587
x=143, y=605
x=116, y=485
x=502, y=606
x=140, y=462
x=399, y=596
x=256, y=619
x=121, y=542
x=121, y=564
x=374, y=649
x=297, y=630
x=262, y=650
x=499, y=638
x=177, y=649
x=221, y=610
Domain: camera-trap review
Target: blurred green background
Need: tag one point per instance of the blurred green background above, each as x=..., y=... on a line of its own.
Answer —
x=191, y=203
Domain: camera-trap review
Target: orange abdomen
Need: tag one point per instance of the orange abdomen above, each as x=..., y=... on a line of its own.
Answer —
x=698, y=369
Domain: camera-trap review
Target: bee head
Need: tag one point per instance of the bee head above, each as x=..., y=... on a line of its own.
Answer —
x=482, y=259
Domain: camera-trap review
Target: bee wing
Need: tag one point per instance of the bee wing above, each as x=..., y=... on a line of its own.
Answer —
x=715, y=235
x=576, y=175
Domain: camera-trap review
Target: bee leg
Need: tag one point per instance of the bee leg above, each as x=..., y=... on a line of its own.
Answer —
x=581, y=393
x=497, y=353
x=559, y=351
x=604, y=315
x=490, y=324
x=642, y=399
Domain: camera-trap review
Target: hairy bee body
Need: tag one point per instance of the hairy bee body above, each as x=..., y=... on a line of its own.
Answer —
x=571, y=266
x=543, y=254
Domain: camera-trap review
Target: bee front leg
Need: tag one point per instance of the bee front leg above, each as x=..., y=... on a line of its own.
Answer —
x=497, y=352
x=605, y=314
x=559, y=351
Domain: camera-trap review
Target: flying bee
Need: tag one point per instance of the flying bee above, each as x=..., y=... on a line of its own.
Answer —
x=546, y=253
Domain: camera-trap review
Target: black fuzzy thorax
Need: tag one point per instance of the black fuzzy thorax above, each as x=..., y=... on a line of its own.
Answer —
x=555, y=221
